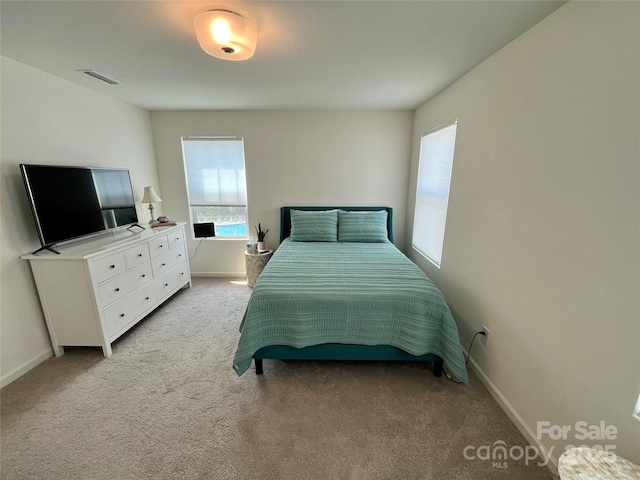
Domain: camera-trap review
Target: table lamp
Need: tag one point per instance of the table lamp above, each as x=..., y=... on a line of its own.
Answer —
x=150, y=196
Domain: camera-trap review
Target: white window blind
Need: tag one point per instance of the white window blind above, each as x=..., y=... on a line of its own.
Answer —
x=215, y=171
x=216, y=182
x=432, y=194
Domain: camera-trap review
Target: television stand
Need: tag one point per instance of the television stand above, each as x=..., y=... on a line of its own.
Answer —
x=50, y=248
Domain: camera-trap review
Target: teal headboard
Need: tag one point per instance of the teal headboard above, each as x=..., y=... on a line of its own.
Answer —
x=285, y=218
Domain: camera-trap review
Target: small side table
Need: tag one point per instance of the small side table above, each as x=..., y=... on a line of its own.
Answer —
x=580, y=463
x=255, y=264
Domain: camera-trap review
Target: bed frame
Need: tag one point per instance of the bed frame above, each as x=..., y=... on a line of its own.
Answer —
x=335, y=351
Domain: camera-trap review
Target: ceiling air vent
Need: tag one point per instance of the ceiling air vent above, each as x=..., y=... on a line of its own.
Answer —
x=99, y=76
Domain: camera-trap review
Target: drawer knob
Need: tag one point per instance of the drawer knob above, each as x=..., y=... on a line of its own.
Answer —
x=182, y=274
x=163, y=265
x=117, y=289
x=166, y=284
x=139, y=254
x=177, y=238
x=146, y=298
x=112, y=266
x=161, y=246
x=143, y=275
x=179, y=255
x=121, y=315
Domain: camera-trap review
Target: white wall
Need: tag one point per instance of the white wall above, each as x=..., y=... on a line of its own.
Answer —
x=46, y=120
x=542, y=240
x=292, y=158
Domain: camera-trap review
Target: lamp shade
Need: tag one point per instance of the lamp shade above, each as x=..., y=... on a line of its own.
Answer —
x=225, y=34
x=150, y=196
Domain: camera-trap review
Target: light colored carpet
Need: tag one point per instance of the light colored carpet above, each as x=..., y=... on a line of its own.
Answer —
x=167, y=404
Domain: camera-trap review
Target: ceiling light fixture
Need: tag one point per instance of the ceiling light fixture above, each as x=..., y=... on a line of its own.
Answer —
x=226, y=34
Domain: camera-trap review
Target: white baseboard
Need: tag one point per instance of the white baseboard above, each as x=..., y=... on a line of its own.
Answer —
x=220, y=275
x=513, y=415
x=18, y=372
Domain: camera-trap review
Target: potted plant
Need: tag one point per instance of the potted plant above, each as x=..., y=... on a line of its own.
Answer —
x=261, y=234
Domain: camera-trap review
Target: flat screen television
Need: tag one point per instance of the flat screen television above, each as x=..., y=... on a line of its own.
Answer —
x=72, y=202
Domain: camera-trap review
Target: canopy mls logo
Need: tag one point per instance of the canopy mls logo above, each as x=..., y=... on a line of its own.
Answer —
x=499, y=453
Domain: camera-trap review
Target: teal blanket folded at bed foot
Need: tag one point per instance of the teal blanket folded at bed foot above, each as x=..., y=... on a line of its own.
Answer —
x=312, y=293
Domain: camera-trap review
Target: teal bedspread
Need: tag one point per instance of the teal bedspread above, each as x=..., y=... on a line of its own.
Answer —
x=350, y=293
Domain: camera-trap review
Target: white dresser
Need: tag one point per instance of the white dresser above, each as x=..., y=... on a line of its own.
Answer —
x=96, y=290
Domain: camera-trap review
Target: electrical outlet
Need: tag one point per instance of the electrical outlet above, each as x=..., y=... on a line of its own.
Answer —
x=485, y=337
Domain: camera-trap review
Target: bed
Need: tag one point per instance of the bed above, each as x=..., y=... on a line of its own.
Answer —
x=345, y=293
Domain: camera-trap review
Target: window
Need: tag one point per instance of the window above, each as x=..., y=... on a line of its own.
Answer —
x=216, y=184
x=432, y=194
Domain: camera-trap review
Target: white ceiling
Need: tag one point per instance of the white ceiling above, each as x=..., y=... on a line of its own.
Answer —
x=311, y=54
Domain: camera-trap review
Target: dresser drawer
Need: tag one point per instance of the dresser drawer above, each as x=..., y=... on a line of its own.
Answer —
x=158, y=246
x=119, y=287
x=123, y=313
x=108, y=267
x=137, y=255
x=176, y=238
x=172, y=279
x=164, y=262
